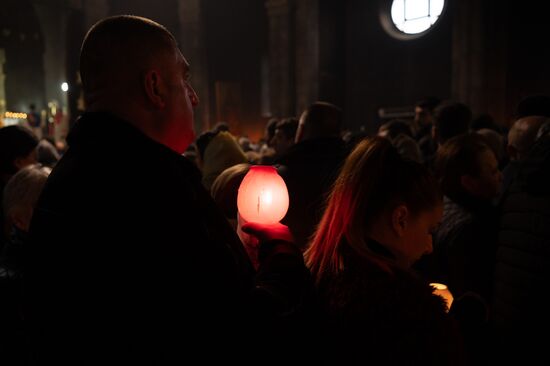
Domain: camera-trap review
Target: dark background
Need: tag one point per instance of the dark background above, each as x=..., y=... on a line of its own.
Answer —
x=255, y=59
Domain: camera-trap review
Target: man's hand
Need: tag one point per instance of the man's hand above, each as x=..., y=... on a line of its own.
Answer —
x=268, y=232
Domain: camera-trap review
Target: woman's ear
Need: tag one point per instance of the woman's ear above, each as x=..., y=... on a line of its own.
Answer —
x=399, y=219
x=154, y=88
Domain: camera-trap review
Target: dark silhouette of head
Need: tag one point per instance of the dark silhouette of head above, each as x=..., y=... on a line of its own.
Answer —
x=451, y=119
x=319, y=120
x=131, y=67
x=17, y=145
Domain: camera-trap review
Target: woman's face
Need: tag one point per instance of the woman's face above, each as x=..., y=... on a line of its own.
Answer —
x=417, y=234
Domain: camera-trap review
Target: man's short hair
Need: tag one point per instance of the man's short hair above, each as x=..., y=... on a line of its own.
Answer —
x=288, y=127
x=459, y=156
x=322, y=119
x=451, y=119
x=15, y=142
x=120, y=43
x=523, y=133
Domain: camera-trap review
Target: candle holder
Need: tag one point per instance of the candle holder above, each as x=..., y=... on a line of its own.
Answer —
x=442, y=290
x=263, y=196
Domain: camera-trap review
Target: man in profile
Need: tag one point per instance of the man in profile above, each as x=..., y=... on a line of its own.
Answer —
x=130, y=260
x=310, y=167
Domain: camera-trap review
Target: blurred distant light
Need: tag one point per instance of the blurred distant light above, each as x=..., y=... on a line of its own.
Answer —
x=15, y=115
x=415, y=16
x=64, y=86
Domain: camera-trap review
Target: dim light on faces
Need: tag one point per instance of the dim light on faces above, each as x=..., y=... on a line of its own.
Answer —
x=263, y=196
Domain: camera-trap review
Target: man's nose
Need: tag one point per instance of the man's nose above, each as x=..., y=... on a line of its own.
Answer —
x=193, y=96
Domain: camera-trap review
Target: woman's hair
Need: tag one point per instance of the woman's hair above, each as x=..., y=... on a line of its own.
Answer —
x=457, y=157
x=23, y=189
x=221, y=153
x=373, y=180
x=225, y=189
x=15, y=142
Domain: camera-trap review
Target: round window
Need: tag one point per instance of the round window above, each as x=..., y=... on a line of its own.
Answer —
x=408, y=19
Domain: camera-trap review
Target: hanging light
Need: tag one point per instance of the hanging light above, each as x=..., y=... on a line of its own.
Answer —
x=262, y=197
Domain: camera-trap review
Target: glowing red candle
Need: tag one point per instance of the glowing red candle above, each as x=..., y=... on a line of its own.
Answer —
x=263, y=196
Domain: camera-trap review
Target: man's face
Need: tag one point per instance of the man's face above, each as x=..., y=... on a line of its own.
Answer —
x=280, y=142
x=180, y=103
x=487, y=184
x=422, y=116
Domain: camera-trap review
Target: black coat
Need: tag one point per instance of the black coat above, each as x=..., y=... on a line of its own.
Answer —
x=464, y=247
x=522, y=276
x=130, y=259
x=309, y=169
x=380, y=318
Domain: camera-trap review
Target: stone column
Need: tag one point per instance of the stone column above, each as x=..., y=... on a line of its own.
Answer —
x=479, y=57
x=281, y=57
x=307, y=53
x=191, y=40
x=53, y=20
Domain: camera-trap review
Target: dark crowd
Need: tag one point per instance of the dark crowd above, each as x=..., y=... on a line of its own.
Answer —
x=127, y=246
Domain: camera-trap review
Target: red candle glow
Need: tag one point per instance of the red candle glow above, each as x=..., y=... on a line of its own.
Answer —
x=263, y=196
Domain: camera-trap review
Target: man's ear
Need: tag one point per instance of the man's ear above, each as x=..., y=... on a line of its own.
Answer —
x=399, y=219
x=154, y=88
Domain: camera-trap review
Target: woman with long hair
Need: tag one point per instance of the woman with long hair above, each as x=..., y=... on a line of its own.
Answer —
x=377, y=223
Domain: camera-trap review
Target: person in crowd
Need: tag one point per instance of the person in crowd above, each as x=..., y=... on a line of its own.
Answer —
x=221, y=126
x=400, y=135
x=496, y=142
x=521, y=138
x=20, y=196
x=266, y=151
x=519, y=312
x=17, y=150
x=285, y=134
x=465, y=242
x=422, y=125
x=225, y=189
x=450, y=119
x=221, y=152
x=378, y=222
x=34, y=121
x=310, y=166
x=47, y=154
x=129, y=259
x=424, y=116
